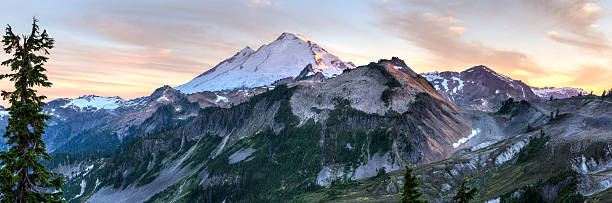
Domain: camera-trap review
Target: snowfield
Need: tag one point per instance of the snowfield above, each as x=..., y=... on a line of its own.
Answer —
x=557, y=93
x=283, y=58
x=95, y=103
x=465, y=139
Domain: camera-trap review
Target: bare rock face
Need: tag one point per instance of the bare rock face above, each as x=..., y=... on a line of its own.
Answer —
x=479, y=88
x=377, y=88
x=384, y=90
x=308, y=74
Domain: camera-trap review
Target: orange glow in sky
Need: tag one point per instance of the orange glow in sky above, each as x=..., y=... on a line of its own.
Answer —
x=130, y=48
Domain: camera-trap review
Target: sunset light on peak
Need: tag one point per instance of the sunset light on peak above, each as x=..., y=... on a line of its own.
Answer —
x=306, y=101
x=171, y=48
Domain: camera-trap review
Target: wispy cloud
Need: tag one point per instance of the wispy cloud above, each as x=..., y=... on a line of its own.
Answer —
x=585, y=43
x=440, y=35
x=577, y=18
x=440, y=27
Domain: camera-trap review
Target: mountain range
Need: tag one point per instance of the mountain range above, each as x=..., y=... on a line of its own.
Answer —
x=292, y=122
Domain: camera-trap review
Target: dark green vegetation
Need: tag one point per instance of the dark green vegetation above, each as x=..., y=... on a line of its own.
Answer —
x=535, y=146
x=410, y=192
x=511, y=107
x=281, y=168
x=531, y=178
x=564, y=182
x=465, y=194
x=23, y=178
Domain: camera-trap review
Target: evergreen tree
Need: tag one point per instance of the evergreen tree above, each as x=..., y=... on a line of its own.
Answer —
x=410, y=192
x=465, y=194
x=23, y=178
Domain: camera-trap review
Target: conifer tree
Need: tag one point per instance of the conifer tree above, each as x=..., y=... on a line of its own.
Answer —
x=465, y=194
x=410, y=192
x=23, y=178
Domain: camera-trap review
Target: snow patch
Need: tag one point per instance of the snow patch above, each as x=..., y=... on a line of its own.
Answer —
x=445, y=84
x=432, y=76
x=465, y=139
x=163, y=98
x=522, y=89
x=221, y=98
x=88, y=169
x=493, y=200
x=459, y=81
x=83, y=184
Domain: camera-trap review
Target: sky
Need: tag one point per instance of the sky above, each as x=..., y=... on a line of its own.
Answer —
x=130, y=48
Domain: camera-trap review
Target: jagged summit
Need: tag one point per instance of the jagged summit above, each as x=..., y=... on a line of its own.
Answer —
x=400, y=65
x=285, y=57
x=479, y=67
x=247, y=50
x=291, y=36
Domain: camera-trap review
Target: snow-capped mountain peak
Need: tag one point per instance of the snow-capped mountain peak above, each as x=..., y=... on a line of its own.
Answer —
x=479, y=87
x=557, y=93
x=285, y=57
x=483, y=68
x=93, y=102
x=246, y=51
x=291, y=36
